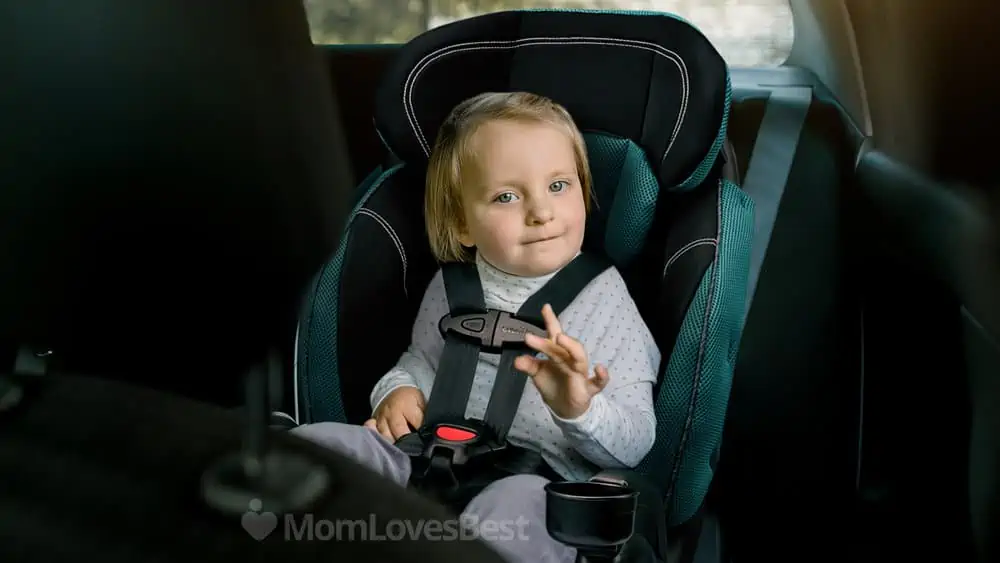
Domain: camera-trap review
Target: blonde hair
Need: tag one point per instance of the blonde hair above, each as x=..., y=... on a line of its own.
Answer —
x=452, y=153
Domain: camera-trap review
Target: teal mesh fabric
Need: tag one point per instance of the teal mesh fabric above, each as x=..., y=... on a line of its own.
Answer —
x=625, y=190
x=316, y=366
x=694, y=395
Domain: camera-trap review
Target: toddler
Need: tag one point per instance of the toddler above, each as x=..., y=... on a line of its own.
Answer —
x=509, y=187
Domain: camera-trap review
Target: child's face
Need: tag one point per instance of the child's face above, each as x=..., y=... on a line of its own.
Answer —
x=524, y=206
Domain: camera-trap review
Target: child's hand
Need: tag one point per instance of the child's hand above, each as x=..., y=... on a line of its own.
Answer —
x=404, y=407
x=562, y=378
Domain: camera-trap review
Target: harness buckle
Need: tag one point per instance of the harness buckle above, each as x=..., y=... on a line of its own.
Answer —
x=492, y=329
x=439, y=449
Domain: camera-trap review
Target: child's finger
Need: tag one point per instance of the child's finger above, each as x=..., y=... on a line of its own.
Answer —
x=552, y=325
x=600, y=379
x=383, y=429
x=414, y=416
x=547, y=347
x=527, y=364
x=398, y=427
x=577, y=355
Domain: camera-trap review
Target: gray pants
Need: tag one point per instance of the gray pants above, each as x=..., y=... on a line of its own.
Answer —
x=509, y=514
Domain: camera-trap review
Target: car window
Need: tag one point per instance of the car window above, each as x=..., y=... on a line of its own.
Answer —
x=746, y=32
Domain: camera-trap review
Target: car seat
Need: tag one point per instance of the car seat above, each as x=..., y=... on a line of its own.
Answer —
x=652, y=96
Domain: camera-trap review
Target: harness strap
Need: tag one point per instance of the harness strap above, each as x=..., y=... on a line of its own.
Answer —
x=453, y=381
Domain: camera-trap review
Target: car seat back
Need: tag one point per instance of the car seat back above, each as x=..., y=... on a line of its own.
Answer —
x=122, y=222
x=651, y=96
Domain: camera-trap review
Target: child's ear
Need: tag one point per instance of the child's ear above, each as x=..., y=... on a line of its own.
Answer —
x=464, y=236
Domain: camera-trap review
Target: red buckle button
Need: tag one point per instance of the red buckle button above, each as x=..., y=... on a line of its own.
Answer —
x=453, y=434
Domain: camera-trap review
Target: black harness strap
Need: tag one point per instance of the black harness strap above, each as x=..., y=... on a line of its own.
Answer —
x=452, y=384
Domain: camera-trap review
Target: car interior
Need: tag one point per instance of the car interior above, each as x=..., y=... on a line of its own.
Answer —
x=176, y=177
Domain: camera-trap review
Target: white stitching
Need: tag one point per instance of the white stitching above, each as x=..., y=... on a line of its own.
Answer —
x=710, y=299
x=693, y=244
x=538, y=41
x=426, y=61
x=392, y=235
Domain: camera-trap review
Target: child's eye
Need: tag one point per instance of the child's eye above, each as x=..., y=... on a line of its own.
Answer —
x=558, y=185
x=505, y=197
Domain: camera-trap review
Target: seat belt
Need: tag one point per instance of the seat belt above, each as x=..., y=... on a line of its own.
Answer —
x=453, y=383
x=769, y=167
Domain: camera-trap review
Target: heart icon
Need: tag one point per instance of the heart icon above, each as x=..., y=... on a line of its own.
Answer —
x=259, y=525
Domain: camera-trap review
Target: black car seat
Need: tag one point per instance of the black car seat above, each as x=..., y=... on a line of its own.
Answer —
x=652, y=96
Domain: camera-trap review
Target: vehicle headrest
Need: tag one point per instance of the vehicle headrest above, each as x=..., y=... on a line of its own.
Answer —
x=648, y=77
x=169, y=178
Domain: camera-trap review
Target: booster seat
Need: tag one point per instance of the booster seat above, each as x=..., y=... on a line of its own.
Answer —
x=652, y=96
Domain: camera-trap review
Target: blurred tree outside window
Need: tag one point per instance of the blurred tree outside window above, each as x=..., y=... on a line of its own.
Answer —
x=746, y=32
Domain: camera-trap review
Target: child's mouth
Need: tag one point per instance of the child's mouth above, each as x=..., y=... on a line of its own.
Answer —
x=546, y=239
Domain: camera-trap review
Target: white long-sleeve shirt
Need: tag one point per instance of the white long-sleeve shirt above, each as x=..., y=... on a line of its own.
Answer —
x=618, y=428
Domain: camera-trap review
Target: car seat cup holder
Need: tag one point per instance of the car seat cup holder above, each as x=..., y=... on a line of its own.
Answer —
x=597, y=517
x=260, y=476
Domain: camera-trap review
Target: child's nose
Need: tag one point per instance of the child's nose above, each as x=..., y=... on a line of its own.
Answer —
x=540, y=212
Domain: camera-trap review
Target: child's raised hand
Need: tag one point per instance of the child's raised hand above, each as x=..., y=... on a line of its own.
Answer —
x=561, y=379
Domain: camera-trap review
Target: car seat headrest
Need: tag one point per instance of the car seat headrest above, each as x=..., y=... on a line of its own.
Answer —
x=648, y=77
x=169, y=183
